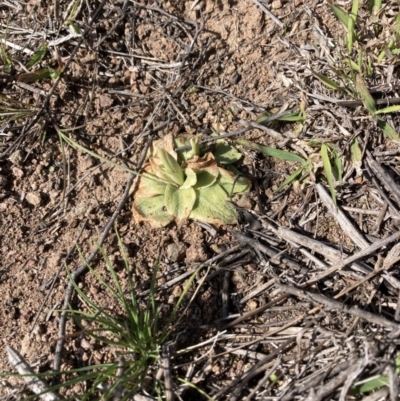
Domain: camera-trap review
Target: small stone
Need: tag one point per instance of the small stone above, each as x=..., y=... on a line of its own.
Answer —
x=34, y=198
x=85, y=344
x=252, y=305
x=176, y=252
x=245, y=202
x=105, y=101
x=17, y=157
x=177, y=291
x=18, y=173
x=276, y=5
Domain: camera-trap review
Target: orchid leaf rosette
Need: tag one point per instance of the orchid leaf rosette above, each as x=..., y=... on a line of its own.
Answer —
x=184, y=185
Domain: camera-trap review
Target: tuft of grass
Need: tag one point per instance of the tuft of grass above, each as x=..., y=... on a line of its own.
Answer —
x=13, y=110
x=135, y=336
x=328, y=155
x=368, y=42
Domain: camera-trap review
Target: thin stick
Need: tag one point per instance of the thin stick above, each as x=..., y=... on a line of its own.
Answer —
x=342, y=219
x=270, y=15
x=389, y=183
x=359, y=255
x=17, y=47
x=330, y=253
x=34, y=383
x=338, y=306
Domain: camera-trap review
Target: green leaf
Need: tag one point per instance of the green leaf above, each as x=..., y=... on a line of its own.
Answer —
x=179, y=202
x=294, y=117
x=356, y=153
x=291, y=178
x=150, y=186
x=337, y=165
x=326, y=81
x=73, y=27
x=351, y=25
x=195, y=144
x=171, y=167
x=187, y=140
x=341, y=15
x=388, y=130
x=390, y=109
x=370, y=385
x=205, y=179
x=152, y=210
x=328, y=171
x=226, y=154
x=191, y=179
x=54, y=74
x=211, y=206
x=232, y=183
x=374, y=6
x=277, y=153
x=37, y=57
x=366, y=97
x=38, y=75
x=354, y=65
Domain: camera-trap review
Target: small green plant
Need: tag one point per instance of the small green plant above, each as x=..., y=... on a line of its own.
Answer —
x=368, y=42
x=13, y=110
x=133, y=332
x=373, y=383
x=184, y=185
x=328, y=155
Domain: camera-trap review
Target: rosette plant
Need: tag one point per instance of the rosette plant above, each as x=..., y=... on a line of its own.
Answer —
x=186, y=185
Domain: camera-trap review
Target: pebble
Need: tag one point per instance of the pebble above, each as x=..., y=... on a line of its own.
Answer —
x=34, y=198
x=176, y=252
x=276, y=5
x=17, y=157
x=18, y=173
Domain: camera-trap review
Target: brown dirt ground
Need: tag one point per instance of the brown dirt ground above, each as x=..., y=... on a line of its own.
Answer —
x=124, y=80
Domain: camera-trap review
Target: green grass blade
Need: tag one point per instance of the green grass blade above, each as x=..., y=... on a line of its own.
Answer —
x=356, y=67
x=293, y=117
x=74, y=11
x=337, y=166
x=267, y=118
x=341, y=15
x=290, y=179
x=370, y=385
x=351, y=34
x=45, y=73
x=390, y=109
x=327, y=81
x=356, y=152
x=199, y=390
x=366, y=97
x=37, y=57
x=388, y=130
x=76, y=145
x=328, y=171
x=374, y=6
x=277, y=153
